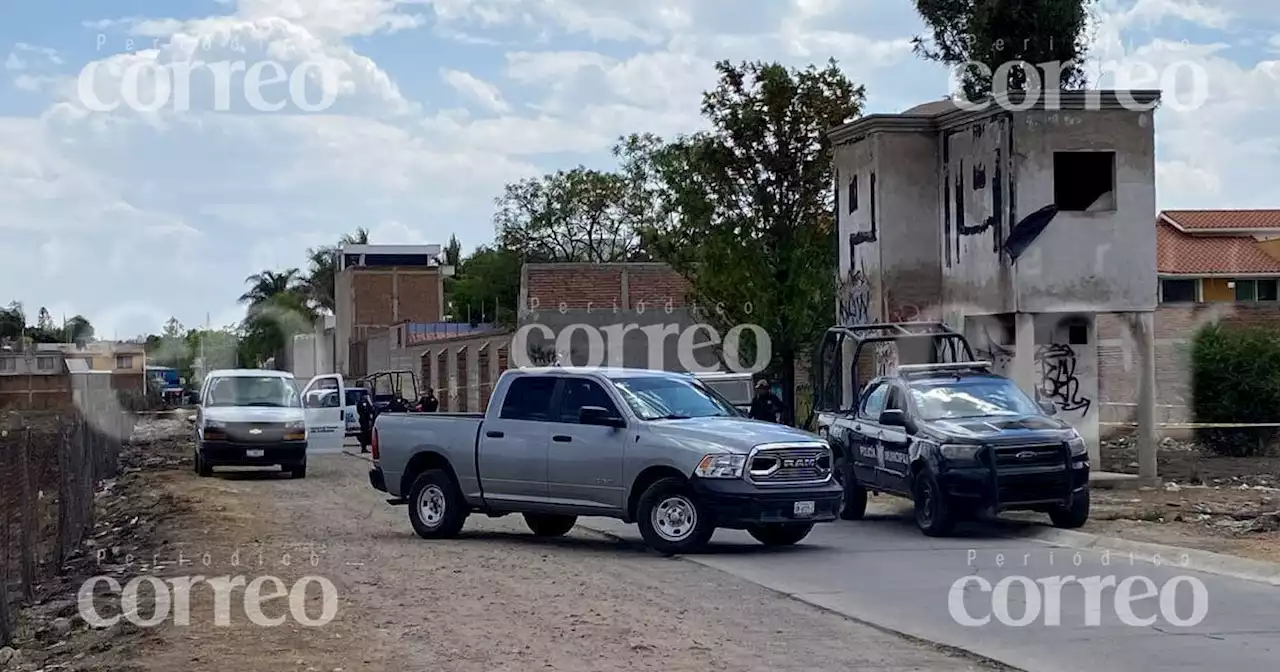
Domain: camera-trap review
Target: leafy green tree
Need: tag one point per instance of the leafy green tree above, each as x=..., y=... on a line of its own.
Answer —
x=279, y=307
x=745, y=209
x=13, y=322
x=993, y=32
x=487, y=287
x=79, y=329
x=572, y=215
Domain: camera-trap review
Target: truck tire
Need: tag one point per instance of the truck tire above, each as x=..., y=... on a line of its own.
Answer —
x=437, y=509
x=933, y=513
x=299, y=471
x=672, y=520
x=855, y=496
x=1074, y=516
x=781, y=534
x=549, y=525
x=202, y=468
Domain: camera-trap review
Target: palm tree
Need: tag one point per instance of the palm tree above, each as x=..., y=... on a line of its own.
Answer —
x=322, y=270
x=277, y=309
x=267, y=285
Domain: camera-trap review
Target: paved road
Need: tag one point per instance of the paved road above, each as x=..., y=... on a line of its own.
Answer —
x=883, y=571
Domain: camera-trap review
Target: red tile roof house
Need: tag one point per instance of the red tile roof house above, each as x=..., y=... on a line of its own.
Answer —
x=1213, y=265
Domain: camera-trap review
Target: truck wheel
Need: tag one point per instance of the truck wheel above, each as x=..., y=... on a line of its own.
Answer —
x=671, y=520
x=202, y=467
x=1074, y=516
x=780, y=534
x=549, y=525
x=299, y=471
x=934, y=516
x=436, y=507
x=855, y=496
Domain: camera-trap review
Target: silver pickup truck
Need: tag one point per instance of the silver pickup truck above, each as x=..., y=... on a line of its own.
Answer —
x=654, y=448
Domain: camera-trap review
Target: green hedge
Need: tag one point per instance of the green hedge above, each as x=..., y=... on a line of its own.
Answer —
x=1236, y=379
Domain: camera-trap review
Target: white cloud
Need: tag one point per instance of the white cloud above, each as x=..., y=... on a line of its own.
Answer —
x=132, y=217
x=476, y=89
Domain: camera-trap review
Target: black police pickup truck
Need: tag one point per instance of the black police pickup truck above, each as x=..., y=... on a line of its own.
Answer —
x=959, y=440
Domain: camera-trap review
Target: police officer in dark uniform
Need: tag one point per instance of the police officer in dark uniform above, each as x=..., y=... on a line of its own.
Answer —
x=367, y=414
x=428, y=403
x=766, y=405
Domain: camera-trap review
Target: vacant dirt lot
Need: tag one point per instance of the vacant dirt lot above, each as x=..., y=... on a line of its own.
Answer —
x=496, y=599
x=1222, y=504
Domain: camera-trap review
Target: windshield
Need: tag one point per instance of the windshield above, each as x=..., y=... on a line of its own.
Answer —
x=272, y=391
x=654, y=398
x=976, y=399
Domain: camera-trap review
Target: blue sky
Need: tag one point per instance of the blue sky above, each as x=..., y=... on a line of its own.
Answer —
x=132, y=217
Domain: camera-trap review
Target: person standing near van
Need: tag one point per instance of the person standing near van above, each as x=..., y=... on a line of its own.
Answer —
x=367, y=413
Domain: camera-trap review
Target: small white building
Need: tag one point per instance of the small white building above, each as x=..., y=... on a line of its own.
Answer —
x=1015, y=226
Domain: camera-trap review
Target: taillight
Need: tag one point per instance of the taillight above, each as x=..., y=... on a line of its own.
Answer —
x=373, y=446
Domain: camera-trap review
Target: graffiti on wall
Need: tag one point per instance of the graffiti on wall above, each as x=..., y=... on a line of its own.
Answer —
x=1058, y=381
x=984, y=182
x=988, y=349
x=855, y=288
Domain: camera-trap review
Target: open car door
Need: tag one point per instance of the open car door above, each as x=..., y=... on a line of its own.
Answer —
x=322, y=401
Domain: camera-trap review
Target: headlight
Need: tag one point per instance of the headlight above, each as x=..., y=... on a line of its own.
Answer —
x=1078, y=446
x=721, y=466
x=960, y=452
x=294, y=426
x=214, y=424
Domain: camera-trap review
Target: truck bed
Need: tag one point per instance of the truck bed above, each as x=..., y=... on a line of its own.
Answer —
x=401, y=435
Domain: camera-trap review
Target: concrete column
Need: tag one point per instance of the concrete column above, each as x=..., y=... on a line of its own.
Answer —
x=1147, y=438
x=1024, y=352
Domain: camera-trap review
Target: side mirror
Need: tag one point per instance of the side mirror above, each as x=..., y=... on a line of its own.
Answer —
x=600, y=417
x=893, y=418
x=1048, y=407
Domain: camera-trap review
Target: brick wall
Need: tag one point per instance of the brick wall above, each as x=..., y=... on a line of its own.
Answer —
x=602, y=286
x=442, y=378
x=37, y=393
x=464, y=379
x=419, y=296
x=484, y=377
x=1118, y=373
x=381, y=298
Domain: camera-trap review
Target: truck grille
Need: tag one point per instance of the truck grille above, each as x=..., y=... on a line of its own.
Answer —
x=1047, y=455
x=1034, y=487
x=789, y=465
x=243, y=432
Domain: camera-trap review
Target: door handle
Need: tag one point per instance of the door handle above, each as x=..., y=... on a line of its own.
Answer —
x=562, y=438
x=857, y=428
x=494, y=435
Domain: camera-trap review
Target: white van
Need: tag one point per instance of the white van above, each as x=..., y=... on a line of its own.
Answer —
x=256, y=417
x=736, y=388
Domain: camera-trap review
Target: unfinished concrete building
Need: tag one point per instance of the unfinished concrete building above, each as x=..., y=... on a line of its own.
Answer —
x=1017, y=225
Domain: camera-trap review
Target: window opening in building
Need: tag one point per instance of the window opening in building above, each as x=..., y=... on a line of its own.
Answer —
x=1177, y=291
x=1084, y=181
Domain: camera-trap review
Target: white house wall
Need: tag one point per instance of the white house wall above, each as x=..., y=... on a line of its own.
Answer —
x=858, y=294
x=1088, y=261
x=977, y=211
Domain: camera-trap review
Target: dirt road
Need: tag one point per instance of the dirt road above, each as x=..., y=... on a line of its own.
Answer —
x=496, y=599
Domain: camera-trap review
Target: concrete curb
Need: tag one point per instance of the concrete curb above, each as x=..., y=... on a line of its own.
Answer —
x=1192, y=559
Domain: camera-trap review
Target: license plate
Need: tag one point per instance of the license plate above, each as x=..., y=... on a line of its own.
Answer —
x=260, y=453
x=803, y=508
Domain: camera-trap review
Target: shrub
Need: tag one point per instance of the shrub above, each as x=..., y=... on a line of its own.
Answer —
x=1236, y=379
